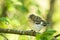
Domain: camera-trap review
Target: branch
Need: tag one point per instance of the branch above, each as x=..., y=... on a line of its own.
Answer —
x=4, y=9
x=55, y=37
x=20, y=32
x=50, y=13
x=4, y=36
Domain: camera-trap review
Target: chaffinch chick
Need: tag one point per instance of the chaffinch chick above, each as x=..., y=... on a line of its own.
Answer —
x=38, y=23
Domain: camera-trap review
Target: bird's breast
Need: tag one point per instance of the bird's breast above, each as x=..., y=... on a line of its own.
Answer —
x=37, y=27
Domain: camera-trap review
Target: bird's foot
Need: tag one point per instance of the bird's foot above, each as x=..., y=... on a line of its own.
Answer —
x=33, y=31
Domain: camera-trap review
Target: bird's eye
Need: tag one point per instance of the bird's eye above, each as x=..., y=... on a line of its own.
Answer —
x=41, y=22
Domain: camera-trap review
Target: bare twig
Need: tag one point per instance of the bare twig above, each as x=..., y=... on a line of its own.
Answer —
x=4, y=36
x=57, y=35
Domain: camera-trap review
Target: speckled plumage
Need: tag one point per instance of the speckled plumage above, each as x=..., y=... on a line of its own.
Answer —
x=38, y=23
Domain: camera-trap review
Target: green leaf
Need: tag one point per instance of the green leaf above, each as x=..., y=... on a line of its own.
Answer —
x=38, y=36
x=50, y=31
x=47, y=35
x=3, y=19
x=22, y=8
x=44, y=38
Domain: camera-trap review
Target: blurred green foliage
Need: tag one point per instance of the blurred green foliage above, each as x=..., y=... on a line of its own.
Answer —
x=3, y=22
x=47, y=35
x=17, y=12
x=22, y=8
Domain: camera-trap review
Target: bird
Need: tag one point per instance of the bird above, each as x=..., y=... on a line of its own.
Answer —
x=38, y=22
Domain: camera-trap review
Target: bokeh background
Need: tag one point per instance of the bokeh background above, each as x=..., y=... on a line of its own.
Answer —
x=14, y=15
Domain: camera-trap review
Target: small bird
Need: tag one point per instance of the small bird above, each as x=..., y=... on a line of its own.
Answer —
x=38, y=23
